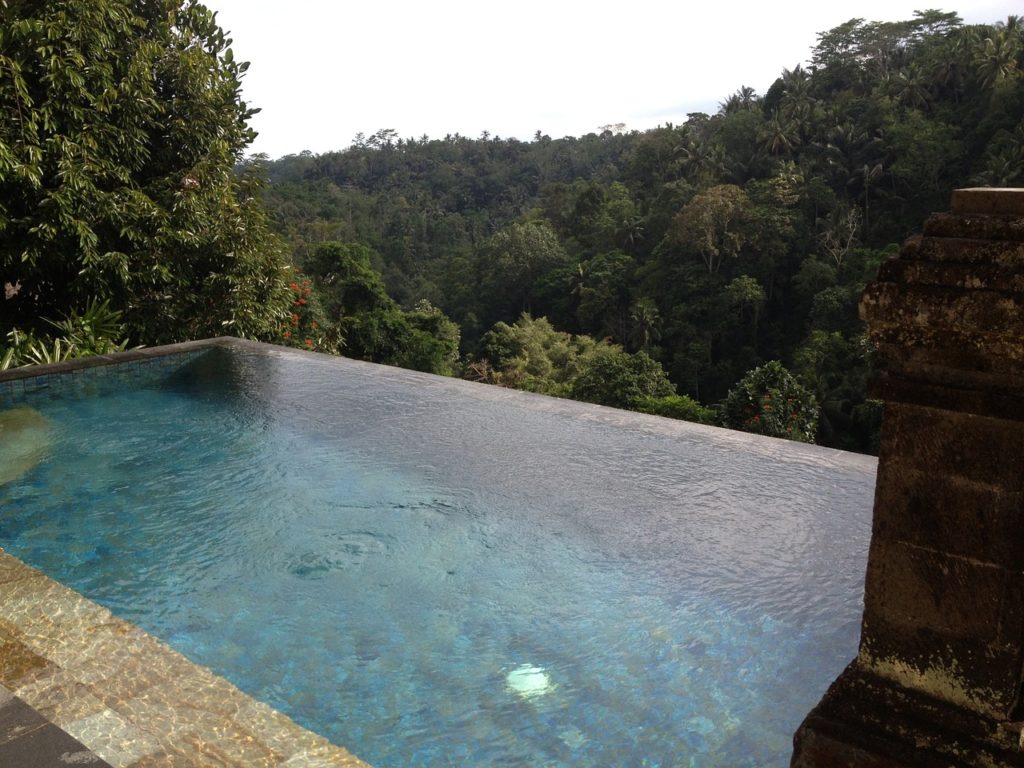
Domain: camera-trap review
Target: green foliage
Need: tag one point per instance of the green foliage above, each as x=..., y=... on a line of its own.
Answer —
x=96, y=331
x=770, y=401
x=836, y=369
x=611, y=376
x=713, y=225
x=123, y=125
x=307, y=327
x=676, y=407
x=432, y=344
x=512, y=261
x=352, y=311
x=531, y=355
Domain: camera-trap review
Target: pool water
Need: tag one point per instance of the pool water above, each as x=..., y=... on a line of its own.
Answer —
x=435, y=573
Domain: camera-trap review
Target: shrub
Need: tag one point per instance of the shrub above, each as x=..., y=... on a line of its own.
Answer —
x=681, y=407
x=770, y=401
x=610, y=376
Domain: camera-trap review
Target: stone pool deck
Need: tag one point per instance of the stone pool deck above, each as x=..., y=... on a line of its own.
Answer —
x=78, y=686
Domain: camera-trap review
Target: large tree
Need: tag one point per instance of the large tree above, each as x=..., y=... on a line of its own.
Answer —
x=122, y=127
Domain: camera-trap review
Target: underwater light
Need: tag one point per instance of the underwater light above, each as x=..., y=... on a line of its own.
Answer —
x=528, y=681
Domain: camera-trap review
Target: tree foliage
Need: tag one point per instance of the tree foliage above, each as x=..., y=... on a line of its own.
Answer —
x=123, y=124
x=612, y=376
x=770, y=401
x=367, y=323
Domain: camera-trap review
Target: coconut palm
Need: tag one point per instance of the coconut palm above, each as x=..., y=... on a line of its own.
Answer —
x=995, y=57
x=644, y=323
x=780, y=135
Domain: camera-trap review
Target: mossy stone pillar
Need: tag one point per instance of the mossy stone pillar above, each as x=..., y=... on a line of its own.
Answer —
x=938, y=677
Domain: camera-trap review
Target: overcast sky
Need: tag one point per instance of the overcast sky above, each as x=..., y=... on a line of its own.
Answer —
x=324, y=71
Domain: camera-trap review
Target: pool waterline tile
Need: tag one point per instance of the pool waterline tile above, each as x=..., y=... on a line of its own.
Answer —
x=126, y=696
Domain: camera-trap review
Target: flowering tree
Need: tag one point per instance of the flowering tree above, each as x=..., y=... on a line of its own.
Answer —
x=770, y=401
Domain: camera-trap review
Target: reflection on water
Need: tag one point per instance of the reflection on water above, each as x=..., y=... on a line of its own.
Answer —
x=430, y=575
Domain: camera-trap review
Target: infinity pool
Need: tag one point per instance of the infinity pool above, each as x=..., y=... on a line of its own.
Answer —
x=431, y=572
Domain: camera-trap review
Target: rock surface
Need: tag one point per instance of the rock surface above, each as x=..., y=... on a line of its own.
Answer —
x=938, y=679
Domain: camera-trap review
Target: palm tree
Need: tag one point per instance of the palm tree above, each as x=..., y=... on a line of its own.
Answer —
x=995, y=57
x=780, y=134
x=743, y=99
x=644, y=322
x=910, y=89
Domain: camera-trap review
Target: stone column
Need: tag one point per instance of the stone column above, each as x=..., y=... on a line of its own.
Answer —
x=938, y=678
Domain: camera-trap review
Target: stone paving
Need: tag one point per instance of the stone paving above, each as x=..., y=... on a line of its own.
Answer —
x=78, y=686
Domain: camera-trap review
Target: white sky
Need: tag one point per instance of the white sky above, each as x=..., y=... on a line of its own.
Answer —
x=323, y=70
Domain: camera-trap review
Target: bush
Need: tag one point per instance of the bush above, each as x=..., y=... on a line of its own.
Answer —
x=770, y=401
x=680, y=407
x=610, y=376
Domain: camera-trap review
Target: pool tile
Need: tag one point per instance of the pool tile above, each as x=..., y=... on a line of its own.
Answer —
x=112, y=737
x=276, y=730
x=164, y=760
x=332, y=757
x=17, y=719
x=12, y=569
x=19, y=664
x=59, y=697
x=131, y=699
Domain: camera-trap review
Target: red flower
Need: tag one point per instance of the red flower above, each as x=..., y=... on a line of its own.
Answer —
x=301, y=301
x=295, y=319
x=294, y=286
x=287, y=334
x=309, y=343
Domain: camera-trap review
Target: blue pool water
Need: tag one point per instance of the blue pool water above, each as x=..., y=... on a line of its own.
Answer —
x=436, y=573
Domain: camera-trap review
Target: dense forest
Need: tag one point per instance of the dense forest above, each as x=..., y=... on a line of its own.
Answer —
x=709, y=271
x=713, y=247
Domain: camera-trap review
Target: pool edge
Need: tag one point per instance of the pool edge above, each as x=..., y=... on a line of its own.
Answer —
x=776, y=448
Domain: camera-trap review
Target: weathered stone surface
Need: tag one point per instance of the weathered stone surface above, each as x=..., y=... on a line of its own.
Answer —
x=25, y=437
x=988, y=201
x=866, y=720
x=959, y=226
x=938, y=678
x=956, y=515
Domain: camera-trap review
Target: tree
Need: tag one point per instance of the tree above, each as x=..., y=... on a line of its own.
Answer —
x=531, y=355
x=644, y=324
x=123, y=125
x=433, y=343
x=611, y=376
x=604, y=297
x=513, y=259
x=712, y=224
x=770, y=401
